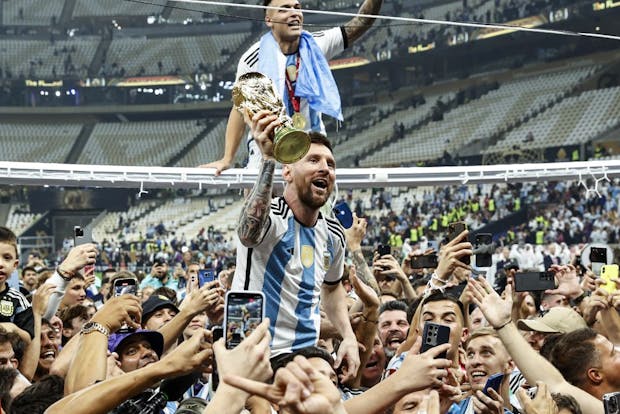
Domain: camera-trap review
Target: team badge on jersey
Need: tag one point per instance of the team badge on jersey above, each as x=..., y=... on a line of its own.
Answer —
x=307, y=256
x=6, y=308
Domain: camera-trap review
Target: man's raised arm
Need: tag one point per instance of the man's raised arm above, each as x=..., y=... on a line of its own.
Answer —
x=234, y=133
x=359, y=25
x=255, y=211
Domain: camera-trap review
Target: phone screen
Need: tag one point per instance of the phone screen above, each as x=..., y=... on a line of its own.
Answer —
x=205, y=276
x=244, y=311
x=424, y=262
x=125, y=287
x=598, y=255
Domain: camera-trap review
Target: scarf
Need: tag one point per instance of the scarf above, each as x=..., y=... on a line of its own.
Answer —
x=315, y=81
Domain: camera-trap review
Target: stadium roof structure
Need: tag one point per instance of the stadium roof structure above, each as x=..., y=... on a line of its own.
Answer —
x=145, y=177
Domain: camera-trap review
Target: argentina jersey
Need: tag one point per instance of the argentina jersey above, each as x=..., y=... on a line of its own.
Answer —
x=289, y=266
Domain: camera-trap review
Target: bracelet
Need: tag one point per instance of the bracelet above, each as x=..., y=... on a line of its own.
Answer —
x=436, y=278
x=504, y=325
x=365, y=318
x=66, y=275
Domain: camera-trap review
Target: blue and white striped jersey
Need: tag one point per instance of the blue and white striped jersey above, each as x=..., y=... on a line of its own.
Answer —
x=289, y=266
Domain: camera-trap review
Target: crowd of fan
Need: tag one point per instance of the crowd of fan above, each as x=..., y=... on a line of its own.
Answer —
x=559, y=342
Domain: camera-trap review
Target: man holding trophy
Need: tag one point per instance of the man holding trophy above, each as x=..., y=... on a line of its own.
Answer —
x=288, y=249
x=296, y=62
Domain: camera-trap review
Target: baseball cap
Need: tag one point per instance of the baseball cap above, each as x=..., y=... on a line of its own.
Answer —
x=159, y=261
x=557, y=320
x=152, y=337
x=154, y=303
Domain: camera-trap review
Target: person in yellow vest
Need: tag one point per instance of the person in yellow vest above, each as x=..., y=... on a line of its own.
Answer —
x=517, y=206
x=434, y=225
x=575, y=156
x=491, y=205
x=475, y=206
x=413, y=235
x=444, y=221
x=420, y=231
x=540, y=237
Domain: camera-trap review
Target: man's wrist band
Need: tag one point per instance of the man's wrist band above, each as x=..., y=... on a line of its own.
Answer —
x=504, y=325
x=66, y=275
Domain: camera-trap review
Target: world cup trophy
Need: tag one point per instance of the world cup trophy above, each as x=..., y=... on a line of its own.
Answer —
x=255, y=92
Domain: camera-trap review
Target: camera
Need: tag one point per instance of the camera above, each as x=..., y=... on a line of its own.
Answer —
x=78, y=231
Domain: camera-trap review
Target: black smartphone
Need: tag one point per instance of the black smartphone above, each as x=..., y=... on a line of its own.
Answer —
x=384, y=249
x=125, y=286
x=217, y=332
x=205, y=276
x=495, y=382
x=611, y=402
x=454, y=229
x=483, y=249
x=598, y=255
x=435, y=335
x=428, y=261
x=243, y=312
x=534, y=281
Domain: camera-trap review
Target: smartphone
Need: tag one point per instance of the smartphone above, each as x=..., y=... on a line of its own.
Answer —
x=243, y=312
x=609, y=272
x=534, y=281
x=598, y=255
x=205, y=276
x=124, y=286
x=454, y=229
x=424, y=261
x=217, y=332
x=83, y=235
x=611, y=402
x=495, y=382
x=435, y=335
x=483, y=249
x=384, y=249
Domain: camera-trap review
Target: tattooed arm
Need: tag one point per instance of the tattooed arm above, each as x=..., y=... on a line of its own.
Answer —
x=359, y=25
x=355, y=234
x=256, y=208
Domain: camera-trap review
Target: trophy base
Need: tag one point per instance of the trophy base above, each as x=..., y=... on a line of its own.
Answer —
x=290, y=145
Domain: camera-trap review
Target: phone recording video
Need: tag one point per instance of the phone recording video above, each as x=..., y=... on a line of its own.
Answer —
x=435, y=335
x=483, y=249
x=205, y=276
x=244, y=311
x=124, y=286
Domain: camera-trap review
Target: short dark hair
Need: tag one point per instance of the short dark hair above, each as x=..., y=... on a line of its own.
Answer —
x=307, y=352
x=72, y=312
x=318, y=138
x=574, y=353
x=28, y=268
x=7, y=378
x=439, y=296
x=7, y=236
x=167, y=292
x=393, y=305
x=39, y=396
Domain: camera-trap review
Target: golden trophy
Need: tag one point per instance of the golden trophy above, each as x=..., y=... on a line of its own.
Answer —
x=255, y=92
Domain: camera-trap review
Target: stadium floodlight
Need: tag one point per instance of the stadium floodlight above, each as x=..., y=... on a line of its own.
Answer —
x=78, y=175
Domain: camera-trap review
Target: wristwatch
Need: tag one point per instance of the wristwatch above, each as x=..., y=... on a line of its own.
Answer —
x=94, y=327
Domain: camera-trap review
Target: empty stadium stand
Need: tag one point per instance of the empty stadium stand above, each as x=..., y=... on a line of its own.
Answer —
x=37, y=142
